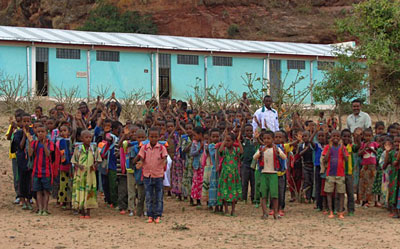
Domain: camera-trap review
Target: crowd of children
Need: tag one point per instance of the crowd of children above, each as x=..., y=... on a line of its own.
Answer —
x=207, y=158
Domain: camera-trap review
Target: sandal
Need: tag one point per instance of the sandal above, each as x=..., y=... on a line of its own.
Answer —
x=331, y=215
x=341, y=216
x=264, y=216
x=87, y=216
x=150, y=220
x=157, y=220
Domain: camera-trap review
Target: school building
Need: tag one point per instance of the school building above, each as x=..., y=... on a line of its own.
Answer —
x=160, y=65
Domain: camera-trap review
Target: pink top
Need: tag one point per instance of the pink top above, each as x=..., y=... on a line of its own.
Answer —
x=153, y=160
x=368, y=157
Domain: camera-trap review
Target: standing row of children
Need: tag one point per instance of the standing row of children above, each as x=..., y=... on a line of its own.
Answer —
x=208, y=158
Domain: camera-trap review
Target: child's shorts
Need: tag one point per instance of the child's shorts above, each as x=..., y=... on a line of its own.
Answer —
x=41, y=184
x=269, y=185
x=330, y=183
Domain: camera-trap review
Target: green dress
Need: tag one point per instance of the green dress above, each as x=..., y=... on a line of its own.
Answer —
x=229, y=184
x=393, y=180
x=84, y=192
x=377, y=186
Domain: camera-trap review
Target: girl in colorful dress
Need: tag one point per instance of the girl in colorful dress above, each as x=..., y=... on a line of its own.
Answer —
x=206, y=163
x=212, y=192
x=64, y=145
x=377, y=186
x=196, y=152
x=188, y=170
x=391, y=166
x=85, y=159
x=229, y=184
x=178, y=164
x=383, y=163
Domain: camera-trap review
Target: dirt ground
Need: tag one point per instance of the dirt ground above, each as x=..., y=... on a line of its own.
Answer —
x=301, y=227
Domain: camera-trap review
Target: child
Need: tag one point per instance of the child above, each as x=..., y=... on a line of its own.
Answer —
x=269, y=166
x=280, y=139
x=391, y=167
x=64, y=146
x=212, y=193
x=379, y=129
x=153, y=163
x=12, y=128
x=319, y=146
x=368, y=170
x=334, y=157
x=188, y=170
x=196, y=151
x=305, y=151
x=42, y=151
x=247, y=173
x=229, y=186
x=349, y=164
x=178, y=164
x=86, y=157
x=377, y=186
x=20, y=145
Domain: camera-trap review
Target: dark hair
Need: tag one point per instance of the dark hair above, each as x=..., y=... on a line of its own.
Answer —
x=108, y=121
x=248, y=125
x=39, y=107
x=356, y=101
x=233, y=136
x=368, y=130
x=392, y=126
x=344, y=131
x=214, y=130
x=267, y=132
x=199, y=130
x=154, y=129
x=116, y=125
x=379, y=123
x=26, y=115
x=308, y=122
x=267, y=96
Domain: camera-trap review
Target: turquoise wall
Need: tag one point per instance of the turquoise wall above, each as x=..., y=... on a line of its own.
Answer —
x=13, y=63
x=62, y=73
x=183, y=77
x=129, y=73
x=123, y=76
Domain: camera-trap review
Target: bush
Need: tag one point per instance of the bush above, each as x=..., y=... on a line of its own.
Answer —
x=233, y=30
x=108, y=18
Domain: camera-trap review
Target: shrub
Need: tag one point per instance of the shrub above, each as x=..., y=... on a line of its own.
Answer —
x=233, y=30
x=108, y=18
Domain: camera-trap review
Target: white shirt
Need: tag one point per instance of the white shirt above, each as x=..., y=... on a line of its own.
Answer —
x=362, y=120
x=267, y=118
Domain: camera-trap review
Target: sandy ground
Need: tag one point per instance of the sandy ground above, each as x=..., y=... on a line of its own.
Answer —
x=302, y=227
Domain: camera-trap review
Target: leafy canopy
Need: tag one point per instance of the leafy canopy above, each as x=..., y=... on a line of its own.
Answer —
x=108, y=18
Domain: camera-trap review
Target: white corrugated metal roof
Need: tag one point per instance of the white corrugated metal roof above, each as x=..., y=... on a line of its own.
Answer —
x=58, y=36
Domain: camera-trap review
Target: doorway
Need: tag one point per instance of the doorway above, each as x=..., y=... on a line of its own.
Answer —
x=42, y=74
x=275, y=77
x=164, y=73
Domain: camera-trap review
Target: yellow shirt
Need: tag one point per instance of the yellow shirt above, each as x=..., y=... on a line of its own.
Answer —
x=10, y=155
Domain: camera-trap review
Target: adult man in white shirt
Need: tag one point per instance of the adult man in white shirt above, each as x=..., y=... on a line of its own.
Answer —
x=266, y=117
x=358, y=118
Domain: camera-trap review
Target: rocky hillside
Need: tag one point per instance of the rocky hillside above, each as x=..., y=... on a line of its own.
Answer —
x=274, y=20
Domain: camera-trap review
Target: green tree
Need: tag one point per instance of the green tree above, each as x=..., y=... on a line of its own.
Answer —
x=108, y=18
x=375, y=24
x=342, y=82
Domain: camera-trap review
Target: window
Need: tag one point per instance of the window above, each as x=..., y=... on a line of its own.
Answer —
x=164, y=60
x=66, y=53
x=292, y=64
x=325, y=65
x=188, y=59
x=222, y=61
x=42, y=54
x=107, y=55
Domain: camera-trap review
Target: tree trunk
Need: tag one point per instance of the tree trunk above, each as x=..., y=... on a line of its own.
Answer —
x=339, y=108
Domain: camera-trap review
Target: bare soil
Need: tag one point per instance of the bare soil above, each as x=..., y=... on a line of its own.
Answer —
x=301, y=227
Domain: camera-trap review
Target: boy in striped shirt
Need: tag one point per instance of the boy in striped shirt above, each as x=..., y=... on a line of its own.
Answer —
x=42, y=151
